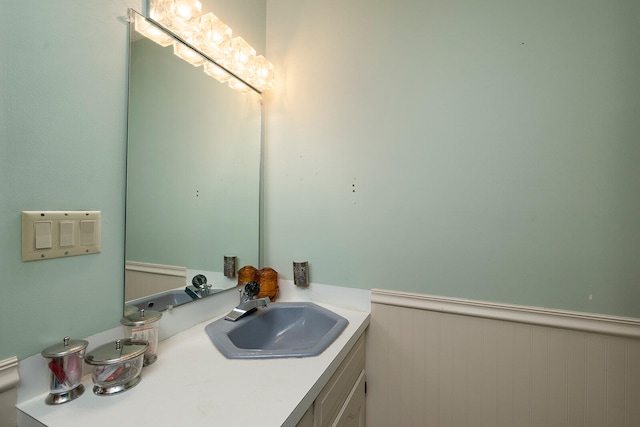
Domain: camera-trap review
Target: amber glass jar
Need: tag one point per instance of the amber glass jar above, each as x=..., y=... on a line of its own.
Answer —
x=246, y=274
x=268, y=280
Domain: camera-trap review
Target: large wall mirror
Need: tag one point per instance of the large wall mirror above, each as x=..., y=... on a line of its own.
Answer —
x=193, y=177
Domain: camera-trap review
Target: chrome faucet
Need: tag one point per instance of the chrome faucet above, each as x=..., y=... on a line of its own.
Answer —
x=247, y=302
x=200, y=288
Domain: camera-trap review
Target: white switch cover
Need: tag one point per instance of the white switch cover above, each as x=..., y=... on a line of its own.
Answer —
x=56, y=234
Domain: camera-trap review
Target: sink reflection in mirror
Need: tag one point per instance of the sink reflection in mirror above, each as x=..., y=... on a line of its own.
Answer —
x=282, y=329
x=152, y=277
x=161, y=301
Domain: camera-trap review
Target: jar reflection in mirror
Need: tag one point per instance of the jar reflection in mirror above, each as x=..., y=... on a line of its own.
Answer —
x=230, y=266
x=246, y=274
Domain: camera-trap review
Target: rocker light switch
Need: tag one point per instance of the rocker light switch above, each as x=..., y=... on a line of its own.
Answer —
x=42, y=231
x=66, y=234
x=87, y=233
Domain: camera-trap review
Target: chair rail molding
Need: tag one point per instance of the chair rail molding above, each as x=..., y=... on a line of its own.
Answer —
x=9, y=376
x=628, y=327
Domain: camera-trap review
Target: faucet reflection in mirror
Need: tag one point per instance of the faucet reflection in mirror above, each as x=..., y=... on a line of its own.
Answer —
x=233, y=60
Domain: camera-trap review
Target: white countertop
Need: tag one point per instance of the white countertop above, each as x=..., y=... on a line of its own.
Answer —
x=193, y=384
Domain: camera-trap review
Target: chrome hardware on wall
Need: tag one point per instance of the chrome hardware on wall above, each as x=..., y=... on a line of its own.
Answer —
x=230, y=266
x=301, y=273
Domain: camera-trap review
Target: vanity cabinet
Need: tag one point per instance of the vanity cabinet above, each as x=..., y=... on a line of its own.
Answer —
x=341, y=402
x=330, y=385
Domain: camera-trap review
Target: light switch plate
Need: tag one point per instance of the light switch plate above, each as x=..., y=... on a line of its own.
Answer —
x=71, y=233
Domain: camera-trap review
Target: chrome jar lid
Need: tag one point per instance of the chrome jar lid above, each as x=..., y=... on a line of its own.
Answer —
x=65, y=348
x=116, y=352
x=142, y=317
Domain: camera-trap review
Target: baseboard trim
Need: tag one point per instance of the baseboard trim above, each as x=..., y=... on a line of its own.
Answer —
x=586, y=322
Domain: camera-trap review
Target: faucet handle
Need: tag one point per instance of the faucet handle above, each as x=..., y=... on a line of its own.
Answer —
x=251, y=289
x=199, y=280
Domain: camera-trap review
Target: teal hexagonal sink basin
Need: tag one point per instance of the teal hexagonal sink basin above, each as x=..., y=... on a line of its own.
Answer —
x=282, y=329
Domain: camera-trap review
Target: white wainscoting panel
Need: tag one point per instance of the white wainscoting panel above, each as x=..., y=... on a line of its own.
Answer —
x=430, y=368
x=142, y=279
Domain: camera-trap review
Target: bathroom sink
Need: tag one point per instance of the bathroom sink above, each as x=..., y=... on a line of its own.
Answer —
x=161, y=301
x=282, y=329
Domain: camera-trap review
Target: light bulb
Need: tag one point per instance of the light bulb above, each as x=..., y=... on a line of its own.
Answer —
x=151, y=32
x=238, y=85
x=188, y=54
x=262, y=76
x=214, y=38
x=242, y=52
x=180, y=16
x=216, y=72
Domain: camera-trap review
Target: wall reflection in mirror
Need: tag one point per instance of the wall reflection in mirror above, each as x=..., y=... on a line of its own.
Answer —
x=193, y=179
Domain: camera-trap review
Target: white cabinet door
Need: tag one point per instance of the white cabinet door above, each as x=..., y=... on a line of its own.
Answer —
x=333, y=396
x=307, y=419
x=352, y=413
x=341, y=401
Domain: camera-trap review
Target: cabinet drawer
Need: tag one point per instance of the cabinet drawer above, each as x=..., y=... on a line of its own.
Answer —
x=334, y=394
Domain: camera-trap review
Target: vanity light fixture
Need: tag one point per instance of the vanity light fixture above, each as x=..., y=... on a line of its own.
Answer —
x=226, y=58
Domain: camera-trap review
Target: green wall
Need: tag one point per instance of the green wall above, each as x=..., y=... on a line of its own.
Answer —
x=63, y=113
x=484, y=150
x=63, y=136
x=477, y=149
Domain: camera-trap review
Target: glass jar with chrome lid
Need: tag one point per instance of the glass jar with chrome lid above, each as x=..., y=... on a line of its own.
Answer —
x=116, y=366
x=143, y=325
x=65, y=363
